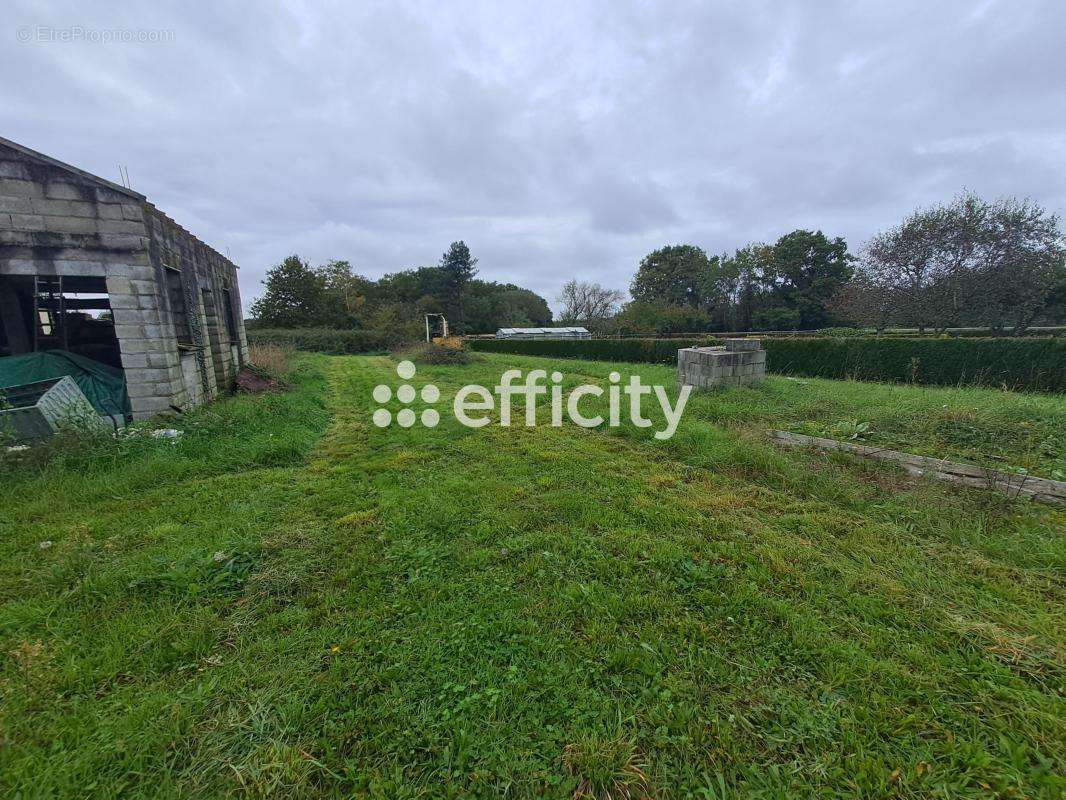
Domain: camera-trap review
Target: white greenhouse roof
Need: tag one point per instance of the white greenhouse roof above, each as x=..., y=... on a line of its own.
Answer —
x=541, y=330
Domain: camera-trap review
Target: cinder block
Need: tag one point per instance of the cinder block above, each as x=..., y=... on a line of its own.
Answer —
x=13, y=187
x=83, y=225
x=145, y=407
x=135, y=361
x=63, y=208
x=742, y=345
x=80, y=269
x=132, y=212
x=161, y=360
x=141, y=272
x=108, y=211
x=62, y=190
x=120, y=226
x=123, y=241
x=118, y=285
x=146, y=375
x=16, y=266
x=24, y=222
x=133, y=345
x=16, y=205
x=154, y=389
x=105, y=195
x=123, y=301
x=14, y=169
x=144, y=286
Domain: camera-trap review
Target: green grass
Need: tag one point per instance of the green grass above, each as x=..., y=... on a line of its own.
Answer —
x=1006, y=430
x=289, y=601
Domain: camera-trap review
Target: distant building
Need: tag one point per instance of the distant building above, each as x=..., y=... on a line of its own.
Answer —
x=543, y=333
x=92, y=268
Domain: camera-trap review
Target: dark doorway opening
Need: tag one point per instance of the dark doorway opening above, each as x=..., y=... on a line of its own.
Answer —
x=51, y=312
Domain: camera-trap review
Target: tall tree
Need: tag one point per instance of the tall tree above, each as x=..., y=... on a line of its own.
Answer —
x=293, y=296
x=675, y=275
x=459, y=269
x=343, y=292
x=807, y=269
x=743, y=278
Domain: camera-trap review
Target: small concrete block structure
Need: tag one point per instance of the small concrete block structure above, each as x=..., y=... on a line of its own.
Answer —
x=93, y=268
x=740, y=362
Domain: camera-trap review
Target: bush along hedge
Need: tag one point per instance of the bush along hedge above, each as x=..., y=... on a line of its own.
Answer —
x=645, y=351
x=1016, y=363
x=324, y=340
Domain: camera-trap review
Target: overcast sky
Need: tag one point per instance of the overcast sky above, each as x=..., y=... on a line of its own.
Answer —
x=558, y=140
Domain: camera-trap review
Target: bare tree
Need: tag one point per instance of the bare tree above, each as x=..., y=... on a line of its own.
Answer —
x=588, y=302
x=866, y=299
x=970, y=262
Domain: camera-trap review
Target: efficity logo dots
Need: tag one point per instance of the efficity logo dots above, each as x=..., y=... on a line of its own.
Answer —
x=406, y=394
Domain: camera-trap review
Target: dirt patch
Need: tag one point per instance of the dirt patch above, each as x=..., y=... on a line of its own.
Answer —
x=251, y=381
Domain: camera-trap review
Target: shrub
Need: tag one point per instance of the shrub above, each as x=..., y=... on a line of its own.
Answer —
x=325, y=340
x=1016, y=363
x=645, y=351
x=429, y=353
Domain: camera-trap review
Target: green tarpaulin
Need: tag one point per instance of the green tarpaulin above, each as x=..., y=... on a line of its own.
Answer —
x=102, y=385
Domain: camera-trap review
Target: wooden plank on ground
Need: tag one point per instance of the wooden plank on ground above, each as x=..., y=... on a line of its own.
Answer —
x=1009, y=483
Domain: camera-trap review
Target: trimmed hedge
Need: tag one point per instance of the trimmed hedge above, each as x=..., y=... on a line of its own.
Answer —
x=336, y=342
x=644, y=351
x=1017, y=363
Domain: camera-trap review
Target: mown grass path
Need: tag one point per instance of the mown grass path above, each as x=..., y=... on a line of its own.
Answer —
x=517, y=612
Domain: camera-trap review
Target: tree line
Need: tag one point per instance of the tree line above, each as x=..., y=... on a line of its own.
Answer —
x=333, y=295
x=968, y=263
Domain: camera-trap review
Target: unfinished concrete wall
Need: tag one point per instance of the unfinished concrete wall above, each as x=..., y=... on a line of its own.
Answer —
x=57, y=221
x=741, y=362
x=215, y=350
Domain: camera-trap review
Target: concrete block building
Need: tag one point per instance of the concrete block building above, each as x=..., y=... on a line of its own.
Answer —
x=91, y=267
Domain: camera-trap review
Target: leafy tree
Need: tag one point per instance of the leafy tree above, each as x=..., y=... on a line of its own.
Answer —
x=675, y=275
x=741, y=280
x=344, y=294
x=806, y=270
x=650, y=317
x=333, y=295
x=491, y=306
x=293, y=296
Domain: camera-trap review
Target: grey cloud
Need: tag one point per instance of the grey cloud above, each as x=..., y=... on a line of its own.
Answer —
x=557, y=139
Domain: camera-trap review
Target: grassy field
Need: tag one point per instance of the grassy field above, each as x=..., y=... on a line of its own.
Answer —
x=288, y=601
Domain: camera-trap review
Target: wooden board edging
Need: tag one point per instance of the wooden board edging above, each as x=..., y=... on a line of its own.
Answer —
x=1009, y=483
